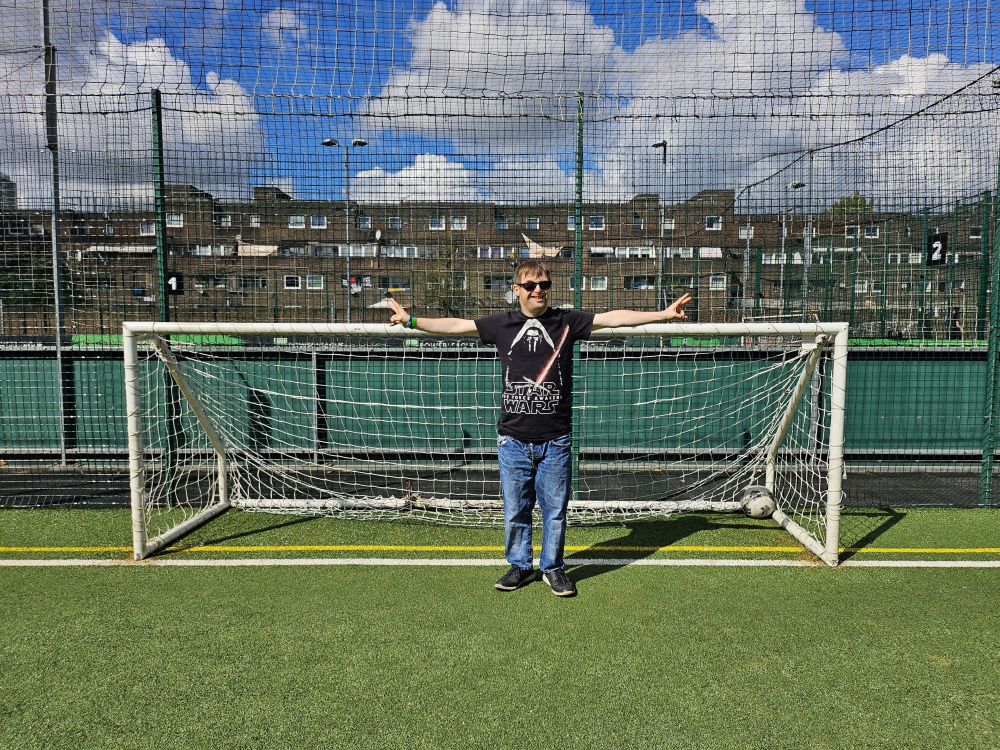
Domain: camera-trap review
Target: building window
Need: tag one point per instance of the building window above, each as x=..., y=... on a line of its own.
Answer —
x=293, y=250
x=249, y=283
x=713, y=223
x=860, y=286
x=293, y=282
x=850, y=232
x=314, y=281
x=906, y=231
x=436, y=223
x=458, y=223
x=773, y=259
x=496, y=283
x=108, y=228
x=364, y=222
x=717, y=282
x=710, y=253
x=571, y=223
x=876, y=287
x=916, y=259
x=393, y=284
x=746, y=233
x=224, y=221
x=640, y=282
x=395, y=222
x=871, y=233
x=317, y=222
x=209, y=282
x=894, y=258
x=975, y=233
x=201, y=250
x=175, y=221
x=668, y=224
x=255, y=220
x=38, y=230
x=500, y=222
x=599, y=283
x=296, y=222
x=147, y=229
x=596, y=224
x=531, y=223
x=636, y=222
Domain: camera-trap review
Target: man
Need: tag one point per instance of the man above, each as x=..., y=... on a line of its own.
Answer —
x=535, y=345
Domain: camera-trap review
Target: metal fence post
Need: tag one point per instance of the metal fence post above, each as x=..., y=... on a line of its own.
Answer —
x=992, y=356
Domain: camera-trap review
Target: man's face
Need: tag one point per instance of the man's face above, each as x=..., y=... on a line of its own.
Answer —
x=534, y=302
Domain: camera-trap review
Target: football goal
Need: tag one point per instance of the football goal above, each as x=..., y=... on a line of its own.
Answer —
x=372, y=421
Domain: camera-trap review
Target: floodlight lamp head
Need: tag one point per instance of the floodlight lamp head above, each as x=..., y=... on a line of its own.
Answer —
x=796, y=185
x=660, y=144
x=331, y=142
x=358, y=142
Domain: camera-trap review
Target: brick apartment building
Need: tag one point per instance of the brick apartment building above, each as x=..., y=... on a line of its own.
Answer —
x=278, y=258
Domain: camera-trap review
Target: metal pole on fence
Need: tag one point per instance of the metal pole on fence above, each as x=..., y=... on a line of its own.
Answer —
x=577, y=280
x=991, y=406
x=159, y=199
x=52, y=144
x=984, y=264
x=807, y=240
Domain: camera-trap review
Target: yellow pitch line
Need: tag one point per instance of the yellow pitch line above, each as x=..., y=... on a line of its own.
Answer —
x=497, y=548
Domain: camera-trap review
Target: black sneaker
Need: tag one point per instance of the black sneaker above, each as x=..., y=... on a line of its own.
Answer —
x=515, y=578
x=560, y=583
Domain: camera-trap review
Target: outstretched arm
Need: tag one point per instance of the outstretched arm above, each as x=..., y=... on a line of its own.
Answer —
x=430, y=325
x=621, y=318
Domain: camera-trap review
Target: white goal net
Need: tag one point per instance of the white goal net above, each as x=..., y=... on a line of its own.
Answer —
x=371, y=421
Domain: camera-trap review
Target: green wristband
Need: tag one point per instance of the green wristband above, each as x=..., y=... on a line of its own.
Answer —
x=412, y=322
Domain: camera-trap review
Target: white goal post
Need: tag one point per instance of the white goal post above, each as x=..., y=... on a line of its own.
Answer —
x=373, y=421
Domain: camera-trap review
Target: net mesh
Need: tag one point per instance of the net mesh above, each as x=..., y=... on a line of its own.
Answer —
x=777, y=159
x=408, y=429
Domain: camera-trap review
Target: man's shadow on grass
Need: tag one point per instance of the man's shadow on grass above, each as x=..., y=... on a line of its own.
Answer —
x=643, y=539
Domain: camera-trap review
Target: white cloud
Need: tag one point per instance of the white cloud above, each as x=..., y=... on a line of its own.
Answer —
x=211, y=134
x=758, y=85
x=430, y=178
x=283, y=28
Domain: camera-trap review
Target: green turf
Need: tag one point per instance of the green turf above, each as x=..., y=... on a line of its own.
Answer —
x=433, y=657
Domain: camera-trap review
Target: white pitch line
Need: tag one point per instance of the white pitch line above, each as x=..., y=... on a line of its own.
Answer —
x=475, y=562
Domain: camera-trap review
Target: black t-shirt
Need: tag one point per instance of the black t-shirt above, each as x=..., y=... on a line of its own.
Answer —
x=536, y=359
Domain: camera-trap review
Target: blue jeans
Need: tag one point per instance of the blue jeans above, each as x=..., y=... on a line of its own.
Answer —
x=531, y=472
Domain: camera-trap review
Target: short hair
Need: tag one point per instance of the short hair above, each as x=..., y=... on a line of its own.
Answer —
x=530, y=268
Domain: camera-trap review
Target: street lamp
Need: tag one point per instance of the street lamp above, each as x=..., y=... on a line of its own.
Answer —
x=355, y=143
x=784, y=231
x=660, y=294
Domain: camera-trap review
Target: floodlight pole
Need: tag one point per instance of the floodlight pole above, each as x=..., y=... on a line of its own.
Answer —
x=784, y=231
x=660, y=296
x=356, y=143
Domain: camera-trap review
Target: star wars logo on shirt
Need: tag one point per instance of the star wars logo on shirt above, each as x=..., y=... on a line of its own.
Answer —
x=534, y=395
x=530, y=398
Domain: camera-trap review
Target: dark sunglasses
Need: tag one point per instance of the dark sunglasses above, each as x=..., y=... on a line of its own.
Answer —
x=529, y=286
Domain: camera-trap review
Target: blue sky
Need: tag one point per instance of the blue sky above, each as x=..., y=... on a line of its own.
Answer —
x=475, y=99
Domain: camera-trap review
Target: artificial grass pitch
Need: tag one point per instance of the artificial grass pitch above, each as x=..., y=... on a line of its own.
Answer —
x=365, y=657
x=865, y=534
x=379, y=657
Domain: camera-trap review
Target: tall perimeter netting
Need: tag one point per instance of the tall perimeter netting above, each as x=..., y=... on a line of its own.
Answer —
x=370, y=427
x=780, y=161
